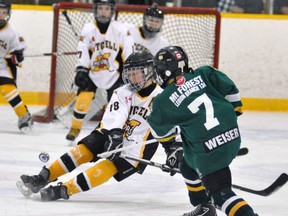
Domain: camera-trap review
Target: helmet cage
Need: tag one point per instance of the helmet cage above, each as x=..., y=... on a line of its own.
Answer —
x=153, y=14
x=7, y=6
x=136, y=77
x=103, y=19
x=153, y=24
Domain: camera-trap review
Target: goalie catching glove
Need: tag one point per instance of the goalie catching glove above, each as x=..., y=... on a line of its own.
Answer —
x=82, y=77
x=115, y=141
x=174, y=154
x=17, y=57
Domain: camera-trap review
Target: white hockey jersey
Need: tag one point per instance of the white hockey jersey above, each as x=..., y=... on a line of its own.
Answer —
x=100, y=52
x=153, y=45
x=10, y=40
x=128, y=110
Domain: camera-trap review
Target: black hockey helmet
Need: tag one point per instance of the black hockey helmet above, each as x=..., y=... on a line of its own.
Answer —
x=170, y=62
x=103, y=19
x=153, y=13
x=6, y=5
x=138, y=69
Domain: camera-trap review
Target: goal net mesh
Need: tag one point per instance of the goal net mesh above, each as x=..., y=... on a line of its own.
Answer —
x=197, y=30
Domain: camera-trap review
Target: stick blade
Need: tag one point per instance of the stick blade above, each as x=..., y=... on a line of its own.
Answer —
x=275, y=186
x=242, y=151
x=280, y=181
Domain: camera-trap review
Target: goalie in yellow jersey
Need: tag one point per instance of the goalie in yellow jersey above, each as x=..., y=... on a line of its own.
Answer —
x=11, y=56
x=123, y=124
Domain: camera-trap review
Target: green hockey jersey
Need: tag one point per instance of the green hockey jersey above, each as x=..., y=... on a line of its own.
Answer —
x=204, y=104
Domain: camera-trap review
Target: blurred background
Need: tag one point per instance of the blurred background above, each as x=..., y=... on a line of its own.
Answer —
x=228, y=6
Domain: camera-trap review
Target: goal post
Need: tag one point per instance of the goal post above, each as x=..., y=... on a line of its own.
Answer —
x=197, y=30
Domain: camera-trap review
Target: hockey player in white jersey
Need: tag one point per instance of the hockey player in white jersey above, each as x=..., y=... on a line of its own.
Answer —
x=12, y=46
x=123, y=124
x=103, y=47
x=147, y=36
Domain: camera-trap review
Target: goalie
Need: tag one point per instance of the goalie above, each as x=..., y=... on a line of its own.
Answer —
x=12, y=44
x=129, y=106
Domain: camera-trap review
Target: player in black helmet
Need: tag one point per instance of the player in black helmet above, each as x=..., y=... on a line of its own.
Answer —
x=105, y=16
x=204, y=103
x=11, y=57
x=147, y=36
x=153, y=19
x=123, y=124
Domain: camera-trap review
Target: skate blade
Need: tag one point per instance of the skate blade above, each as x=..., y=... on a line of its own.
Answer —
x=71, y=143
x=23, y=189
x=26, y=130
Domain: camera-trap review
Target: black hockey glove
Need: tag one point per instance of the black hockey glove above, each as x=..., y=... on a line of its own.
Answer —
x=114, y=141
x=82, y=77
x=17, y=57
x=174, y=156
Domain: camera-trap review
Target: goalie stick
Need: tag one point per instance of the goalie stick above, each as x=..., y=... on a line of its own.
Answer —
x=272, y=188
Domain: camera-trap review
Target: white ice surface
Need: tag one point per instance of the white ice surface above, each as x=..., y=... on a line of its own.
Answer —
x=152, y=194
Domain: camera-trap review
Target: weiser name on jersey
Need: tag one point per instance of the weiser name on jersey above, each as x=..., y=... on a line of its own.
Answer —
x=221, y=139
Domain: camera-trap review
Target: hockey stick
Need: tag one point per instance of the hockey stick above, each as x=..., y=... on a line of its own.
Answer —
x=45, y=54
x=242, y=151
x=65, y=14
x=276, y=185
x=108, y=153
x=51, y=54
x=163, y=167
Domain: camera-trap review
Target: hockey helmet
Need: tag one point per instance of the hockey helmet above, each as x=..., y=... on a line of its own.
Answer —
x=138, y=69
x=153, y=19
x=170, y=62
x=103, y=18
x=6, y=5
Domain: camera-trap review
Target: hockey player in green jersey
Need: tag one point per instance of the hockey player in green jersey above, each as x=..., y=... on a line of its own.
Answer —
x=204, y=104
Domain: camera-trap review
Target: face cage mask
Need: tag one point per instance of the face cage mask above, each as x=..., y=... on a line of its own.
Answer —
x=3, y=22
x=140, y=76
x=103, y=19
x=151, y=28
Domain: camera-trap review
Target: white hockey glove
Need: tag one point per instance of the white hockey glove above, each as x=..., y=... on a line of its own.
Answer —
x=115, y=141
x=174, y=156
x=82, y=77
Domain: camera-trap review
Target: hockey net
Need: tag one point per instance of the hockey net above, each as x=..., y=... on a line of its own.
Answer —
x=197, y=30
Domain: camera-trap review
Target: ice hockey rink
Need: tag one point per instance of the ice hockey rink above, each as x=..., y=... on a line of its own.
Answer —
x=154, y=193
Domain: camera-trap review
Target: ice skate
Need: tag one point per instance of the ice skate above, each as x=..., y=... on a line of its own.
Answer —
x=54, y=193
x=203, y=210
x=25, y=123
x=32, y=184
x=73, y=134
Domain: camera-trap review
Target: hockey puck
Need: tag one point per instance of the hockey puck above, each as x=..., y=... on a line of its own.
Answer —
x=44, y=157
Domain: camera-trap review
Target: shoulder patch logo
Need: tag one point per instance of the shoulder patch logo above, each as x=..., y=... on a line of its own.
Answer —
x=180, y=81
